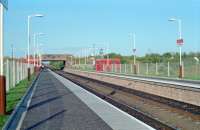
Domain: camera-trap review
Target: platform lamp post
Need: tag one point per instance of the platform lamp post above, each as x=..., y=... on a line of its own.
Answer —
x=40, y=55
x=132, y=38
x=29, y=40
x=3, y=4
x=36, y=48
x=179, y=43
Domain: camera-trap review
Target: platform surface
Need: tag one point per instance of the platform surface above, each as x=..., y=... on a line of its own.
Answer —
x=59, y=104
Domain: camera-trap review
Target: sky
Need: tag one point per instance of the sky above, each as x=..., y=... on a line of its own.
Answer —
x=70, y=26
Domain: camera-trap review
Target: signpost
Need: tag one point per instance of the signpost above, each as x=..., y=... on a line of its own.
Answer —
x=180, y=43
x=132, y=38
x=3, y=3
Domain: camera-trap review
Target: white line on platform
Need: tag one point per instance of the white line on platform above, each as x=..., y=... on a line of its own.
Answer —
x=28, y=104
x=113, y=116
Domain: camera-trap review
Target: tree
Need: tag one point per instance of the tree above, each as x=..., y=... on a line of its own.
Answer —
x=57, y=64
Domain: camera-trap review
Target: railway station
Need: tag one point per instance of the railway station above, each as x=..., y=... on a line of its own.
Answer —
x=99, y=65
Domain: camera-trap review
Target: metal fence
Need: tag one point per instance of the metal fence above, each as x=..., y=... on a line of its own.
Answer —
x=171, y=70
x=15, y=70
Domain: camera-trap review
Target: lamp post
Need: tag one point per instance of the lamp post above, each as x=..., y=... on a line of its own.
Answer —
x=39, y=54
x=179, y=43
x=132, y=40
x=29, y=40
x=35, y=36
x=2, y=77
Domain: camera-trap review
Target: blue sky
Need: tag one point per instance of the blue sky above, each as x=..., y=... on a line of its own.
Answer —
x=74, y=24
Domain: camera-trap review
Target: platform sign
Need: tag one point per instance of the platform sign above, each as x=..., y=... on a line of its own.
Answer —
x=179, y=42
x=4, y=3
x=134, y=50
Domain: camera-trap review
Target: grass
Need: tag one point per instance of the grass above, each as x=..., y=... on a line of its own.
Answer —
x=13, y=97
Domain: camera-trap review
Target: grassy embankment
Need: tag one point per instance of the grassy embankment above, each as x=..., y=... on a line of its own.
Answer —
x=13, y=97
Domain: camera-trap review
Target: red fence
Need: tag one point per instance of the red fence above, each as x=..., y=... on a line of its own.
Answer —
x=107, y=64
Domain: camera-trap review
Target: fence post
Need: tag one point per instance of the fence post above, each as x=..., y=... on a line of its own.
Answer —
x=156, y=68
x=125, y=68
x=22, y=67
x=183, y=69
x=168, y=69
x=25, y=73
x=131, y=68
x=120, y=68
x=25, y=67
x=112, y=68
x=13, y=66
x=18, y=66
x=197, y=70
x=17, y=71
x=2, y=95
x=138, y=68
x=21, y=72
x=7, y=76
x=10, y=74
x=117, y=68
x=26, y=70
x=147, y=69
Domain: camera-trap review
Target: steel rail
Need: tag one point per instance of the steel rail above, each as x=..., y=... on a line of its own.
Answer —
x=132, y=111
x=174, y=83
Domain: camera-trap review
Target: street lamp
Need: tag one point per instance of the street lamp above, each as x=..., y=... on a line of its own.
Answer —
x=40, y=55
x=35, y=39
x=39, y=51
x=1, y=39
x=179, y=43
x=29, y=39
x=132, y=40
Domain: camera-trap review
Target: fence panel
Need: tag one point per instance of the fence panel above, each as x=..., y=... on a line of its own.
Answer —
x=167, y=69
x=192, y=70
x=15, y=71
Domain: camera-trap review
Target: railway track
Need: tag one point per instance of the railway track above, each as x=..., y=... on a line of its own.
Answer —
x=160, y=79
x=159, y=113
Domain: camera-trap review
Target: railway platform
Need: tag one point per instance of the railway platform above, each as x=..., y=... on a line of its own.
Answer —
x=58, y=104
